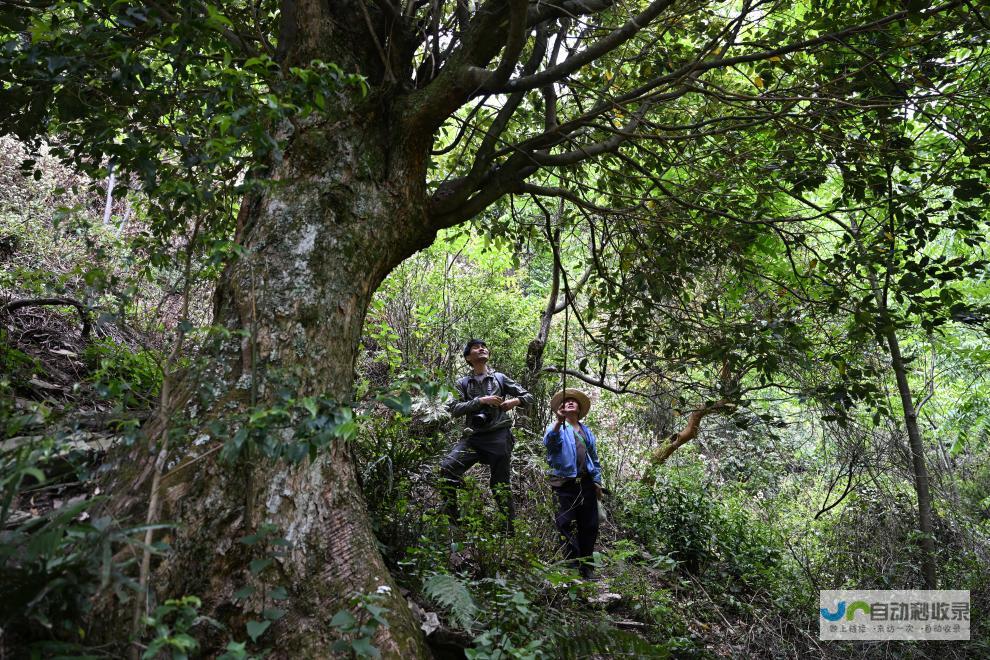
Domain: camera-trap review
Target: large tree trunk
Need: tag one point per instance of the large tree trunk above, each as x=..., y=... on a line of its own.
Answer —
x=317, y=246
x=346, y=206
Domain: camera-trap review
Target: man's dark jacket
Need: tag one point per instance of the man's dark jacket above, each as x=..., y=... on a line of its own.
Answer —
x=471, y=390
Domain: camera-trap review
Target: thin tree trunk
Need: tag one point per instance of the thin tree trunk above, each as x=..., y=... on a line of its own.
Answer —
x=921, y=483
x=536, y=348
x=919, y=467
x=108, y=207
x=554, y=306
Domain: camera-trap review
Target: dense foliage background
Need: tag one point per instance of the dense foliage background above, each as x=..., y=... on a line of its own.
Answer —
x=775, y=292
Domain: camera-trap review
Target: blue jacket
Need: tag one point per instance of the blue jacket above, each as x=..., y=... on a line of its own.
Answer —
x=562, y=456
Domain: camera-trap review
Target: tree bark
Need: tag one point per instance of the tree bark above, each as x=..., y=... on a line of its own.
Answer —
x=920, y=467
x=343, y=211
x=346, y=204
x=681, y=438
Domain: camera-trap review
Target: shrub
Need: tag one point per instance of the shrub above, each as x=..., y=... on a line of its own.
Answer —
x=17, y=365
x=131, y=379
x=677, y=518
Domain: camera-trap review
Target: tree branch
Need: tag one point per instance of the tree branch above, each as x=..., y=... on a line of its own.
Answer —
x=685, y=435
x=514, y=42
x=560, y=71
x=590, y=380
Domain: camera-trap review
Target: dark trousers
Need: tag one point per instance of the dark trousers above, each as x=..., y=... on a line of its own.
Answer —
x=494, y=450
x=577, y=506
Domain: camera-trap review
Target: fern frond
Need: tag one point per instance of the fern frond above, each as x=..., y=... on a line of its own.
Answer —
x=453, y=595
x=605, y=641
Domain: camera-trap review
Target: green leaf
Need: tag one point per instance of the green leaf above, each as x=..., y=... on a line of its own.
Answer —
x=183, y=642
x=216, y=17
x=454, y=596
x=401, y=402
x=256, y=629
x=35, y=473
x=235, y=651
x=249, y=540
x=343, y=620
x=273, y=613
x=258, y=565
x=244, y=592
x=364, y=648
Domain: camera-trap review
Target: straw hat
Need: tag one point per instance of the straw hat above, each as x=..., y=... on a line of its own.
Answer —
x=584, y=403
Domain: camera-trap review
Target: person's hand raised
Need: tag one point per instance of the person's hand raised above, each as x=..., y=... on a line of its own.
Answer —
x=491, y=400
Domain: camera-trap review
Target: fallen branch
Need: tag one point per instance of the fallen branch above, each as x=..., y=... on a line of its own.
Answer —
x=12, y=307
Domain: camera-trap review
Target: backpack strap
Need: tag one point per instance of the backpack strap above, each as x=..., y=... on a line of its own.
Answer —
x=462, y=386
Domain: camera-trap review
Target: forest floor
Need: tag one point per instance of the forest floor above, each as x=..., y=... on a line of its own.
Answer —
x=59, y=398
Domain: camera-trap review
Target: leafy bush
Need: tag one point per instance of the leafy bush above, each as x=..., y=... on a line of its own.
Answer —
x=129, y=378
x=750, y=554
x=677, y=518
x=171, y=623
x=514, y=632
x=51, y=565
x=681, y=520
x=16, y=365
x=357, y=632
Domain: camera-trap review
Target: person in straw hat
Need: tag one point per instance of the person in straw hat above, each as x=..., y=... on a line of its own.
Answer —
x=576, y=476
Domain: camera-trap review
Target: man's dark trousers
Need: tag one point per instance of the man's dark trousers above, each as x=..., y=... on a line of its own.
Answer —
x=494, y=449
x=577, y=503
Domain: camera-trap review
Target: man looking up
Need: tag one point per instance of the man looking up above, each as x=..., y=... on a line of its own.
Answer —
x=486, y=397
